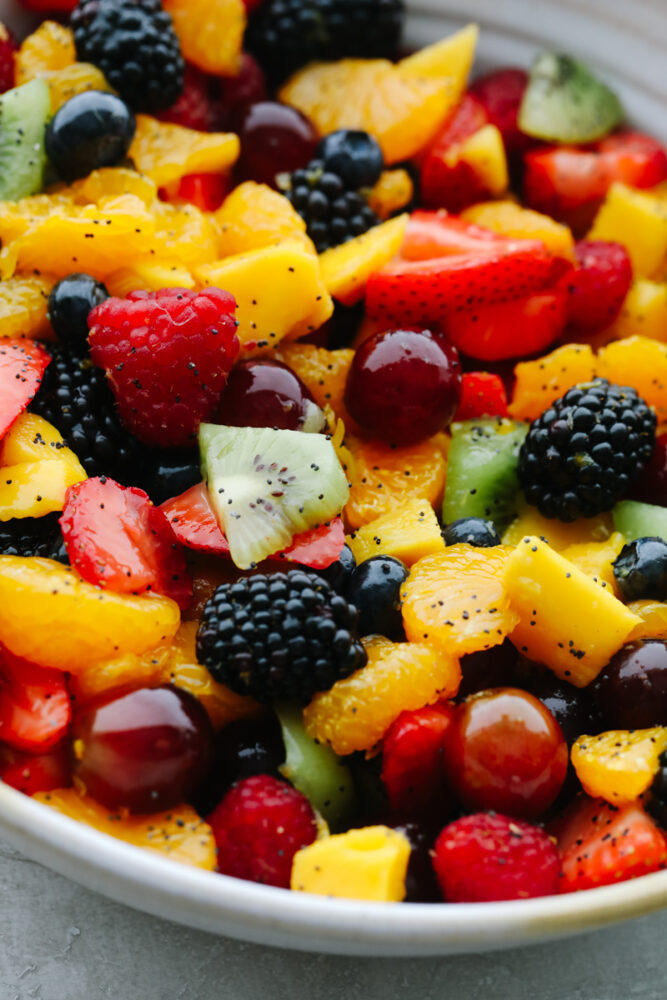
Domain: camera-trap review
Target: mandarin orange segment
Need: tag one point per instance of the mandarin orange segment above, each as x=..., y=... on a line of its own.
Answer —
x=23, y=306
x=456, y=600
x=210, y=33
x=391, y=193
x=509, y=219
x=619, y=765
x=121, y=672
x=559, y=534
x=402, y=111
x=112, y=182
x=384, y=476
x=254, y=216
x=179, y=834
x=596, y=559
x=183, y=235
x=324, y=372
x=653, y=624
x=640, y=363
x=399, y=676
x=52, y=617
x=49, y=48
x=64, y=83
x=167, y=152
x=539, y=383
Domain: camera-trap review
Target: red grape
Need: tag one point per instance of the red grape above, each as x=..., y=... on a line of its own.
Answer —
x=651, y=486
x=275, y=139
x=265, y=393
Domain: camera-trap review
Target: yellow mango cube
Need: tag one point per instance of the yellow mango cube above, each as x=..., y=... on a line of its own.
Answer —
x=644, y=311
x=509, y=219
x=638, y=220
x=33, y=489
x=347, y=268
x=620, y=765
x=484, y=151
x=167, y=152
x=452, y=57
x=566, y=620
x=148, y=276
x=369, y=864
x=253, y=216
x=595, y=559
x=52, y=617
x=279, y=293
x=32, y=439
x=559, y=534
x=408, y=532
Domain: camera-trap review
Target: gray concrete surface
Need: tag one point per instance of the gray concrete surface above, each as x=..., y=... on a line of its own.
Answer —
x=60, y=942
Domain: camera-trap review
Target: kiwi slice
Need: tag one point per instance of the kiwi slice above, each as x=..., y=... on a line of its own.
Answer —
x=564, y=102
x=640, y=520
x=24, y=115
x=268, y=485
x=315, y=769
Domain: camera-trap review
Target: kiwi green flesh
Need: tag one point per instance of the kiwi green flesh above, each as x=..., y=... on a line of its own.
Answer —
x=266, y=486
x=24, y=115
x=315, y=770
x=640, y=520
x=482, y=470
x=565, y=102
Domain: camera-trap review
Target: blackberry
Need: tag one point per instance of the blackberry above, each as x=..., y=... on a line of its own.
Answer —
x=134, y=43
x=279, y=637
x=75, y=397
x=284, y=35
x=333, y=214
x=33, y=536
x=582, y=454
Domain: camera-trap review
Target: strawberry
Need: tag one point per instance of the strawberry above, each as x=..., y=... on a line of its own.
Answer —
x=437, y=234
x=8, y=47
x=195, y=108
x=570, y=183
x=259, y=826
x=482, y=395
x=206, y=191
x=487, y=856
x=42, y=772
x=447, y=181
x=22, y=365
x=500, y=94
x=598, y=285
x=602, y=844
x=35, y=708
x=116, y=539
x=167, y=356
x=195, y=526
x=513, y=329
x=412, y=758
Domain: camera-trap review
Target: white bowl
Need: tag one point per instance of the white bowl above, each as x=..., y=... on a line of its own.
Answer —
x=626, y=42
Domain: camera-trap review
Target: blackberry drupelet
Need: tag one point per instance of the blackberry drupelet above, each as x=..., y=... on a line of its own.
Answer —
x=333, y=214
x=284, y=35
x=583, y=453
x=33, y=536
x=134, y=43
x=279, y=637
x=75, y=397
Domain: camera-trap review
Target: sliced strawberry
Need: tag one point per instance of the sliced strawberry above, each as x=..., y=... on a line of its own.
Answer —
x=196, y=526
x=448, y=181
x=598, y=285
x=206, y=191
x=31, y=773
x=438, y=234
x=35, y=708
x=601, y=844
x=509, y=329
x=116, y=538
x=569, y=183
x=500, y=94
x=22, y=365
x=412, y=758
x=482, y=395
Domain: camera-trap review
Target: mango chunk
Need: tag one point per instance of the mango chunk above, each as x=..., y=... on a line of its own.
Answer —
x=484, y=151
x=558, y=534
x=451, y=57
x=166, y=152
x=32, y=439
x=253, y=216
x=408, y=532
x=370, y=863
x=180, y=833
x=595, y=559
x=509, y=219
x=23, y=306
x=653, y=616
x=279, y=291
x=347, y=268
x=620, y=765
x=566, y=620
x=644, y=311
x=52, y=617
x=637, y=220
x=32, y=489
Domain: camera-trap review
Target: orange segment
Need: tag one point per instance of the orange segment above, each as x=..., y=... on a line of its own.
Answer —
x=49, y=48
x=255, y=216
x=323, y=372
x=112, y=182
x=653, y=623
x=392, y=192
x=167, y=152
x=619, y=765
x=399, y=676
x=596, y=559
x=456, y=600
x=640, y=363
x=23, y=304
x=402, y=111
x=558, y=534
x=384, y=476
x=180, y=833
x=539, y=383
x=210, y=32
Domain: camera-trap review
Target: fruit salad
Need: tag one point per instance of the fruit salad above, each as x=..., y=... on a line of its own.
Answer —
x=333, y=448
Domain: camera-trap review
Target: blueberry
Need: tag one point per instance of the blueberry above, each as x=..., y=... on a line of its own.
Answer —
x=91, y=130
x=374, y=589
x=340, y=573
x=471, y=530
x=165, y=473
x=354, y=155
x=70, y=303
x=641, y=570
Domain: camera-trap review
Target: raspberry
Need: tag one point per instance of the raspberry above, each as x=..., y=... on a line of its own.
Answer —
x=259, y=826
x=194, y=108
x=583, y=453
x=486, y=857
x=135, y=46
x=7, y=49
x=167, y=356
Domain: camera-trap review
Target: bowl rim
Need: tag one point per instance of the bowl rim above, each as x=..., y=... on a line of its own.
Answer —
x=225, y=905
